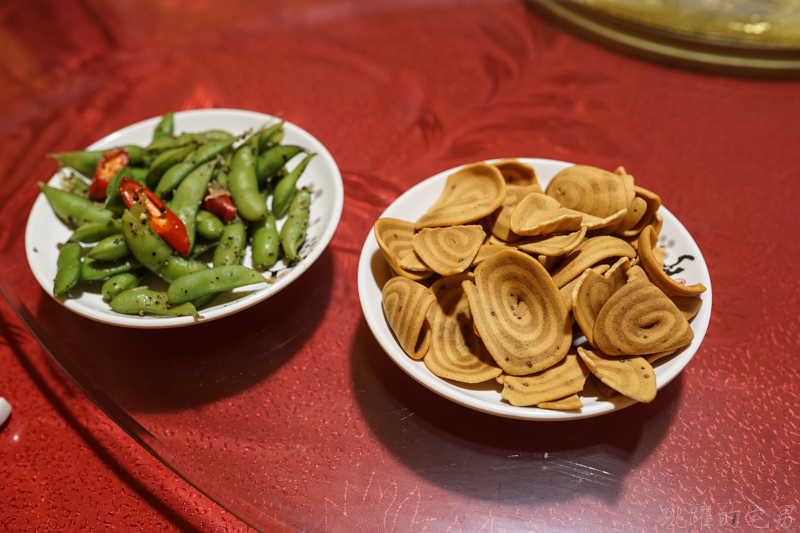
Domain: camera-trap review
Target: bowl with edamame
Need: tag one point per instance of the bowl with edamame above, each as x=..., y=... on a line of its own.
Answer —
x=183, y=218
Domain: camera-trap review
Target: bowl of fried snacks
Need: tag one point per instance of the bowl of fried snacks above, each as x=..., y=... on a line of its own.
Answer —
x=535, y=289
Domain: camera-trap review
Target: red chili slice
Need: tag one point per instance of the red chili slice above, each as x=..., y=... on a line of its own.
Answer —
x=107, y=168
x=163, y=220
x=222, y=206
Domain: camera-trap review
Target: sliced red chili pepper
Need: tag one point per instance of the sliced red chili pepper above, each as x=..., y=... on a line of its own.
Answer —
x=222, y=206
x=163, y=220
x=218, y=201
x=107, y=168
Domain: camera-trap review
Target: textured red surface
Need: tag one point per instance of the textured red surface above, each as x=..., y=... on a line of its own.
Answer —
x=306, y=424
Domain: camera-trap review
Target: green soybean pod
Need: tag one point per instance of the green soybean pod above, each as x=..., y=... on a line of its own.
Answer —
x=189, y=196
x=266, y=243
x=274, y=159
x=151, y=250
x=166, y=160
x=164, y=127
x=293, y=232
x=111, y=248
x=73, y=209
x=286, y=188
x=173, y=177
x=96, y=231
x=159, y=145
x=232, y=242
x=243, y=182
x=271, y=136
x=148, y=302
x=69, y=268
x=218, y=135
x=117, y=284
x=93, y=270
x=85, y=161
x=208, y=225
x=211, y=281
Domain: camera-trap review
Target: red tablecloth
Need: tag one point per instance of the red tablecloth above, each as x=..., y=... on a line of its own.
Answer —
x=399, y=91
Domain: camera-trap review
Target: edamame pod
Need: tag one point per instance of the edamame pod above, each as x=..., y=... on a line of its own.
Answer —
x=117, y=284
x=166, y=160
x=211, y=281
x=209, y=226
x=111, y=248
x=243, y=182
x=93, y=270
x=164, y=127
x=231, y=245
x=271, y=136
x=274, y=159
x=167, y=143
x=69, y=268
x=266, y=243
x=149, y=302
x=173, y=177
x=85, y=161
x=96, y=231
x=73, y=209
x=293, y=232
x=189, y=196
x=151, y=250
x=286, y=188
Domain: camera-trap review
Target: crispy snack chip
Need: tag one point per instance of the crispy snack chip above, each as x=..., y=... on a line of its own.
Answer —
x=538, y=214
x=639, y=319
x=551, y=245
x=566, y=290
x=652, y=202
x=517, y=173
x=519, y=313
x=456, y=352
x=405, y=304
x=449, y=250
x=486, y=251
x=633, y=377
x=592, y=291
x=588, y=253
x=394, y=239
x=470, y=193
x=570, y=403
x=566, y=377
x=649, y=262
x=589, y=190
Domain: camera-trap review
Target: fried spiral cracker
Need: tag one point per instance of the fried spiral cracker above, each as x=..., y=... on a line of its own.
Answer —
x=470, y=193
x=566, y=377
x=517, y=173
x=551, y=245
x=592, y=291
x=588, y=253
x=448, y=250
x=539, y=214
x=649, y=262
x=405, y=304
x=633, y=377
x=456, y=352
x=639, y=319
x=519, y=313
x=570, y=403
x=394, y=239
x=589, y=190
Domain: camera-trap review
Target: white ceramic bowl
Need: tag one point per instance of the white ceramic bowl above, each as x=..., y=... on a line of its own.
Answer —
x=44, y=230
x=373, y=272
